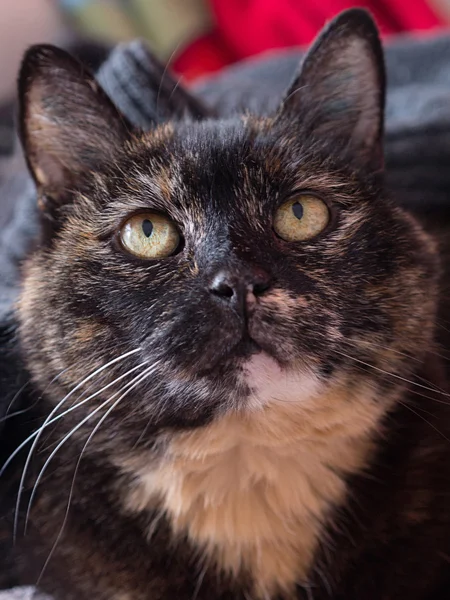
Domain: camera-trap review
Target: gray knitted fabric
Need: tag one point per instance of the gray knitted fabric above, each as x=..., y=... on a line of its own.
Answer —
x=128, y=78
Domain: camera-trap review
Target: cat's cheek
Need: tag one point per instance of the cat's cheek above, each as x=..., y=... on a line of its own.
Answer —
x=269, y=383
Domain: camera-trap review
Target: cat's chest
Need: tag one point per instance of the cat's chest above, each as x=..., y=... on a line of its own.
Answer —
x=253, y=491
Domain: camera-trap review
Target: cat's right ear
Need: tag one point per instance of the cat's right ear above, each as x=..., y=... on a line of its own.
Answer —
x=339, y=92
x=67, y=123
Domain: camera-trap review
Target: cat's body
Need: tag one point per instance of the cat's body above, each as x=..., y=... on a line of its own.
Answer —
x=254, y=400
x=383, y=544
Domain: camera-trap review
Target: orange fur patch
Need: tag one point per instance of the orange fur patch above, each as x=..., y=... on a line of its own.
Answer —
x=254, y=489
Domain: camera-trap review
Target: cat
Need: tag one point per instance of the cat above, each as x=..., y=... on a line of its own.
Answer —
x=228, y=340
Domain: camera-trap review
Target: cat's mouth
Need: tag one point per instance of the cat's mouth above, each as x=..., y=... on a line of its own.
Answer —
x=223, y=347
x=241, y=352
x=246, y=347
x=223, y=360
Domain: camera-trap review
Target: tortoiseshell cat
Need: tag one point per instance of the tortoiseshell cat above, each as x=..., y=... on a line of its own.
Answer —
x=238, y=329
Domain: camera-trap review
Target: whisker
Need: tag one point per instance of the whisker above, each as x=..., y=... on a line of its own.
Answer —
x=19, y=412
x=161, y=82
x=76, y=428
x=426, y=421
x=9, y=415
x=45, y=424
x=15, y=397
x=299, y=89
x=421, y=395
x=136, y=381
x=84, y=402
x=420, y=385
x=175, y=87
x=142, y=435
x=78, y=404
x=60, y=416
x=439, y=322
x=29, y=438
x=400, y=353
x=92, y=385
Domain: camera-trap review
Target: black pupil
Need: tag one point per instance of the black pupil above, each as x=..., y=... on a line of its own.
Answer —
x=147, y=227
x=297, y=209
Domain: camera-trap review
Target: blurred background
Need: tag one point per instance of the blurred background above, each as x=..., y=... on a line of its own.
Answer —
x=195, y=36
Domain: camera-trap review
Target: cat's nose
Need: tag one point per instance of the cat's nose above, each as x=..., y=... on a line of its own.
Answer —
x=238, y=290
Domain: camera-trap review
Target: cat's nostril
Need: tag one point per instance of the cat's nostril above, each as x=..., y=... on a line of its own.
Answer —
x=223, y=290
x=260, y=287
x=220, y=286
x=260, y=282
x=234, y=288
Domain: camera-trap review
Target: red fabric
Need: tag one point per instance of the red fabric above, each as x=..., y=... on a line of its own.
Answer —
x=206, y=54
x=247, y=27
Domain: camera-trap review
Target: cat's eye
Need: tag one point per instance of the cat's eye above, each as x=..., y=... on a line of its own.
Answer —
x=301, y=218
x=150, y=235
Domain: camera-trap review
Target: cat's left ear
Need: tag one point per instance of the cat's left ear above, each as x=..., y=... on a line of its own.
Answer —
x=339, y=93
x=67, y=123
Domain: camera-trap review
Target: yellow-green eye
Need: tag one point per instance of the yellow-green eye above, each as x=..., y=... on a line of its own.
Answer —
x=150, y=235
x=301, y=218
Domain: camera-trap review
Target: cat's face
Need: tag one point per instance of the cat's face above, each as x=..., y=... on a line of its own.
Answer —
x=229, y=264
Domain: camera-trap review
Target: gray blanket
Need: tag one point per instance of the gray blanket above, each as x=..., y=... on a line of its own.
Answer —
x=417, y=135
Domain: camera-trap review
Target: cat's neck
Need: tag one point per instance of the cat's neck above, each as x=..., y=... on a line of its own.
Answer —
x=254, y=489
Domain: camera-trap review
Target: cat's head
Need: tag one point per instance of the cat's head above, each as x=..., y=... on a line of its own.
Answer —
x=212, y=265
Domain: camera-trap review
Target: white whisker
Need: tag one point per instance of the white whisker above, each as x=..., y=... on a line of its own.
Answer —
x=61, y=415
x=400, y=353
x=15, y=397
x=114, y=382
x=128, y=387
x=420, y=385
x=136, y=381
x=45, y=424
x=426, y=421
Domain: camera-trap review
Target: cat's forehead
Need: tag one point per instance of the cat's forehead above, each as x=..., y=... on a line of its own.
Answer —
x=213, y=157
x=246, y=162
x=188, y=144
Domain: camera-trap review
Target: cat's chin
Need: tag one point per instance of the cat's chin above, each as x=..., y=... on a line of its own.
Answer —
x=268, y=381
